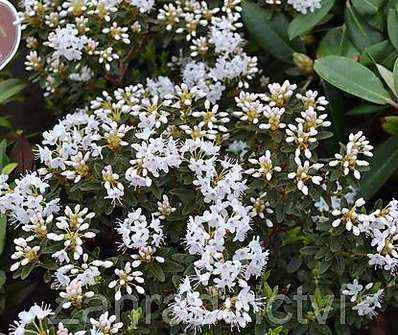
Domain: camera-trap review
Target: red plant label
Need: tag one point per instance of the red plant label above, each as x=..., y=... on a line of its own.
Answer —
x=10, y=32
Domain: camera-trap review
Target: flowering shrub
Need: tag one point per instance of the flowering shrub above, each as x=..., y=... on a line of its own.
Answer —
x=147, y=195
x=200, y=200
x=78, y=47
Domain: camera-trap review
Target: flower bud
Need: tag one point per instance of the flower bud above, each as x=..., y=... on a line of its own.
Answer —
x=304, y=63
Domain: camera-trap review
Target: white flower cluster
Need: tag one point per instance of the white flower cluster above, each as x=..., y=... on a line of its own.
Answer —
x=81, y=35
x=349, y=160
x=27, y=324
x=301, y=6
x=305, y=6
x=366, y=300
x=25, y=318
x=216, y=54
x=382, y=227
x=220, y=277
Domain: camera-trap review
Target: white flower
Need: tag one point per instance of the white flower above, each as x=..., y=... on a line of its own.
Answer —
x=280, y=94
x=128, y=280
x=105, y=325
x=349, y=217
x=353, y=290
x=67, y=43
x=24, y=253
x=74, y=295
x=106, y=57
x=143, y=5
x=305, y=172
x=266, y=167
x=303, y=139
x=368, y=306
x=114, y=188
x=164, y=208
x=137, y=233
x=117, y=33
x=27, y=317
x=259, y=206
x=73, y=228
x=349, y=158
x=274, y=115
x=62, y=330
x=80, y=167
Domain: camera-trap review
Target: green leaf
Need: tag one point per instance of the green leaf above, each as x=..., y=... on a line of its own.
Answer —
x=392, y=27
x=9, y=88
x=361, y=33
x=3, y=229
x=336, y=42
x=388, y=77
x=367, y=7
x=3, y=154
x=157, y=272
x=303, y=23
x=257, y=22
x=353, y=78
x=383, y=53
x=9, y=168
x=391, y=125
x=5, y=123
x=383, y=166
x=364, y=109
x=395, y=72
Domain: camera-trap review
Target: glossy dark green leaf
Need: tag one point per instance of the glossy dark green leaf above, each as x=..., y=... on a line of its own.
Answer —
x=388, y=78
x=367, y=7
x=353, y=78
x=383, y=53
x=303, y=23
x=392, y=27
x=383, y=165
x=395, y=73
x=257, y=22
x=361, y=33
x=336, y=42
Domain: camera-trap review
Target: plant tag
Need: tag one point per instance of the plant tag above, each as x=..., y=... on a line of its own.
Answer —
x=10, y=32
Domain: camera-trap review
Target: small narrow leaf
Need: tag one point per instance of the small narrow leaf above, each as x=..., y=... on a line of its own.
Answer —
x=353, y=78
